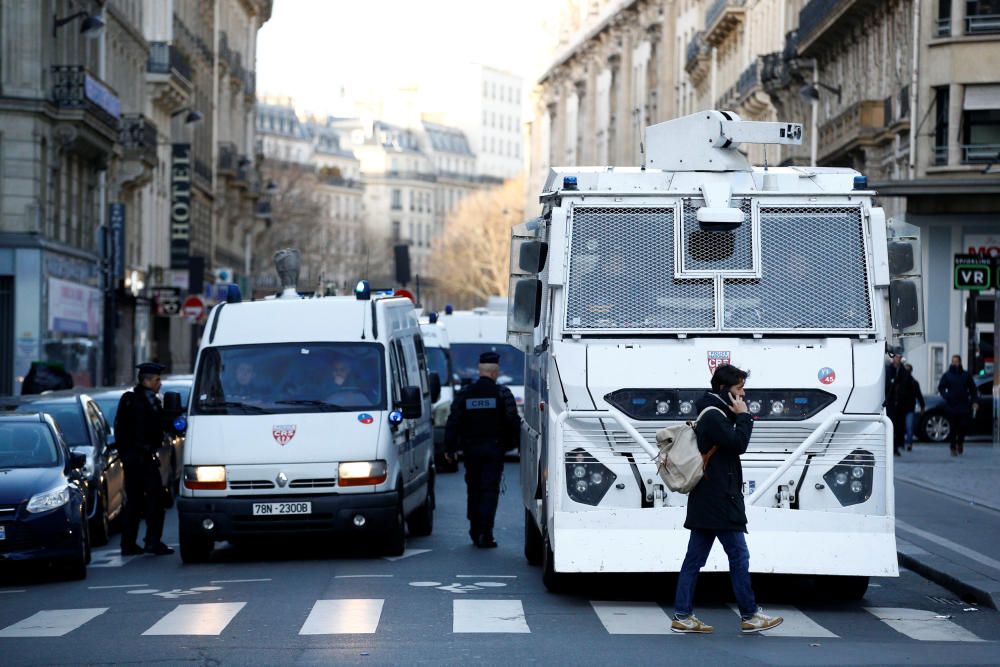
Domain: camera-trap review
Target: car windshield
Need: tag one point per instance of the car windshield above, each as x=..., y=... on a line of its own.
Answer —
x=438, y=362
x=465, y=360
x=68, y=416
x=27, y=445
x=290, y=377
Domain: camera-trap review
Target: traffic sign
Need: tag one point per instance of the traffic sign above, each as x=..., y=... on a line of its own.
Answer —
x=974, y=272
x=193, y=308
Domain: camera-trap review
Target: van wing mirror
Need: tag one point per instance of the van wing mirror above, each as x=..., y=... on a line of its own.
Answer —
x=77, y=460
x=525, y=310
x=532, y=256
x=904, y=304
x=411, y=402
x=434, y=380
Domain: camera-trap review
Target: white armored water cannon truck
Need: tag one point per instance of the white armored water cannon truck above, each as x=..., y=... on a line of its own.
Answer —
x=634, y=284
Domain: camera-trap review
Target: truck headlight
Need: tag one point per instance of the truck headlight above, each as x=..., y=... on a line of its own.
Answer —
x=205, y=478
x=49, y=500
x=361, y=473
x=587, y=480
x=852, y=479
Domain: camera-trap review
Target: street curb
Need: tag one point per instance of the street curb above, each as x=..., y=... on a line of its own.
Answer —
x=971, y=585
x=937, y=489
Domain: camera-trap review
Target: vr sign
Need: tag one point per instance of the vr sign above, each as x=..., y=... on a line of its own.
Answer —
x=974, y=272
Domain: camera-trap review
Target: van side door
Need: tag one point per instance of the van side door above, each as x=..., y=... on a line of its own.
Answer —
x=424, y=450
x=401, y=433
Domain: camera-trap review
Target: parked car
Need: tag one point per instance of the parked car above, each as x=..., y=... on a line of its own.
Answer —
x=43, y=496
x=171, y=462
x=935, y=424
x=86, y=431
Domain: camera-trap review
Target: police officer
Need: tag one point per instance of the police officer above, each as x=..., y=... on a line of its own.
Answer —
x=139, y=429
x=483, y=424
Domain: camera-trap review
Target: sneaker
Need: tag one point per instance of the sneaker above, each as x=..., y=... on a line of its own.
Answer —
x=690, y=624
x=759, y=621
x=486, y=542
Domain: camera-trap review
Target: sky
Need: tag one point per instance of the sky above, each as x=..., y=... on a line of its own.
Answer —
x=312, y=49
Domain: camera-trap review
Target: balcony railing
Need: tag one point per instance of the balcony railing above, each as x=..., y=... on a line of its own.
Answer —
x=940, y=154
x=715, y=17
x=202, y=169
x=164, y=57
x=411, y=176
x=694, y=48
x=749, y=79
x=250, y=84
x=73, y=87
x=813, y=15
x=139, y=137
x=980, y=153
x=859, y=122
x=982, y=23
x=943, y=28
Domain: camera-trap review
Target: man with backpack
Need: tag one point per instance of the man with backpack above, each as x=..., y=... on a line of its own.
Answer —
x=715, y=508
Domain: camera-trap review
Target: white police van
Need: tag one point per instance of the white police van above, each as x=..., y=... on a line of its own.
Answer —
x=472, y=332
x=309, y=416
x=437, y=349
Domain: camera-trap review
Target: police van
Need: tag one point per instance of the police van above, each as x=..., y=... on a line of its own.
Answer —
x=309, y=416
x=437, y=349
x=472, y=332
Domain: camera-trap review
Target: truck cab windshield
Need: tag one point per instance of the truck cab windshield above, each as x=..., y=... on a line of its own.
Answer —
x=290, y=377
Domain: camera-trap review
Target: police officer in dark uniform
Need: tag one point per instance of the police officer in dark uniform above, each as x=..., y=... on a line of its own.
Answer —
x=139, y=429
x=483, y=424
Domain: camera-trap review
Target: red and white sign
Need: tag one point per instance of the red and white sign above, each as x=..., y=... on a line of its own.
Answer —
x=716, y=359
x=193, y=307
x=283, y=433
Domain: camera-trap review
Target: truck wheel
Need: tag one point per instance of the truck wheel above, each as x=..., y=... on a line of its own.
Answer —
x=394, y=543
x=532, y=540
x=99, y=525
x=421, y=522
x=195, y=548
x=555, y=582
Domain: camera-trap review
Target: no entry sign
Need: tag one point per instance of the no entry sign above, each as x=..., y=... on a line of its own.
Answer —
x=193, y=307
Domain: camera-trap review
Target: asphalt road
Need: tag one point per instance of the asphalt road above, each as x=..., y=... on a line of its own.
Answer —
x=447, y=602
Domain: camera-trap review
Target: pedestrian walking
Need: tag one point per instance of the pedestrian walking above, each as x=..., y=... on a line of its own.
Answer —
x=900, y=402
x=911, y=416
x=483, y=424
x=715, y=508
x=140, y=425
x=959, y=393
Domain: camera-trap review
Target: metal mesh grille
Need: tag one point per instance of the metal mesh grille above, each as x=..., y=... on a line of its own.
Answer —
x=716, y=251
x=813, y=273
x=621, y=274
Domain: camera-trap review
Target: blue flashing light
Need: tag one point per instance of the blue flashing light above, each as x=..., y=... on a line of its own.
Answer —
x=449, y=309
x=363, y=291
x=180, y=424
x=395, y=417
x=569, y=182
x=432, y=318
x=233, y=294
x=860, y=182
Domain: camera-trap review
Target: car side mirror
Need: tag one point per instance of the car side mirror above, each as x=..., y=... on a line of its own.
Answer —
x=434, y=380
x=172, y=403
x=411, y=402
x=77, y=461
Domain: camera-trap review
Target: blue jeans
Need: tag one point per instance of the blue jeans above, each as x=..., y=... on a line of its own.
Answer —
x=699, y=545
x=911, y=417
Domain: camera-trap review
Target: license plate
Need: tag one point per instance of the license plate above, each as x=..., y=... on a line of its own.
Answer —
x=276, y=509
x=3, y=532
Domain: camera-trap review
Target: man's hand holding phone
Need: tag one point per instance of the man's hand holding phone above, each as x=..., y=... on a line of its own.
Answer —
x=737, y=404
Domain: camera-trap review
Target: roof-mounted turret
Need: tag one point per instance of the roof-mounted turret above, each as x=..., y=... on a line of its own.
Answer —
x=707, y=141
x=287, y=262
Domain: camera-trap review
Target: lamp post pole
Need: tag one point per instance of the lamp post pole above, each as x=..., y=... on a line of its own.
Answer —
x=814, y=122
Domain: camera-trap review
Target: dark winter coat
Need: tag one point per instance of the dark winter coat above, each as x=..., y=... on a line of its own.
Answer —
x=483, y=419
x=139, y=426
x=716, y=503
x=958, y=391
x=904, y=394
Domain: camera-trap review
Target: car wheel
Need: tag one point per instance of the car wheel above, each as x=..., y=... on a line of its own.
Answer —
x=421, y=522
x=532, y=540
x=76, y=565
x=394, y=542
x=195, y=548
x=100, y=527
x=937, y=427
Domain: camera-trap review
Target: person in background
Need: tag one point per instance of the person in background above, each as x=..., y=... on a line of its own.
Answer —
x=959, y=393
x=900, y=401
x=911, y=416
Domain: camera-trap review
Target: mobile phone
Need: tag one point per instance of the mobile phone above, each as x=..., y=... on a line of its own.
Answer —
x=727, y=394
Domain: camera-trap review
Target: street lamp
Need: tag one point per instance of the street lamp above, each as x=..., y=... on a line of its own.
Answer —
x=193, y=116
x=91, y=27
x=811, y=93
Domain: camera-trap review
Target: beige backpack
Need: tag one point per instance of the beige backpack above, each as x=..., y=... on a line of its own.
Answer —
x=680, y=464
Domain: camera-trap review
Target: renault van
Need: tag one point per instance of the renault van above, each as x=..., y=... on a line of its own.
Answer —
x=439, y=362
x=309, y=416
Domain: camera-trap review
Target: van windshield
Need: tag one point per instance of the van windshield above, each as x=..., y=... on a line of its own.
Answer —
x=438, y=361
x=465, y=360
x=279, y=378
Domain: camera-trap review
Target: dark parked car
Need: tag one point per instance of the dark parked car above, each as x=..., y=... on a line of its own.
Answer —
x=43, y=506
x=86, y=431
x=171, y=463
x=935, y=424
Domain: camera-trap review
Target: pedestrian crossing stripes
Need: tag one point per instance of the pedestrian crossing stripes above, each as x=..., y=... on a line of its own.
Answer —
x=362, y=616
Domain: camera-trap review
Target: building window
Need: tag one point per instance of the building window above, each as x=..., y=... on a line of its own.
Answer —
x=397, y=199
x=982, y=16
x=981, y=124
x=395, y=231
x=944, y=18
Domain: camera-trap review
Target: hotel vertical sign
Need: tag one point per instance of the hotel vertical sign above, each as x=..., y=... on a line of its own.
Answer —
x=180, y=206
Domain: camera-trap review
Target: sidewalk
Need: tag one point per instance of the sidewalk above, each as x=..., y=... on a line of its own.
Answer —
x=933, y=541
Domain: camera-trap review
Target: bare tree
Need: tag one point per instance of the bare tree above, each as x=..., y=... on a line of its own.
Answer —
x=470, y=257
